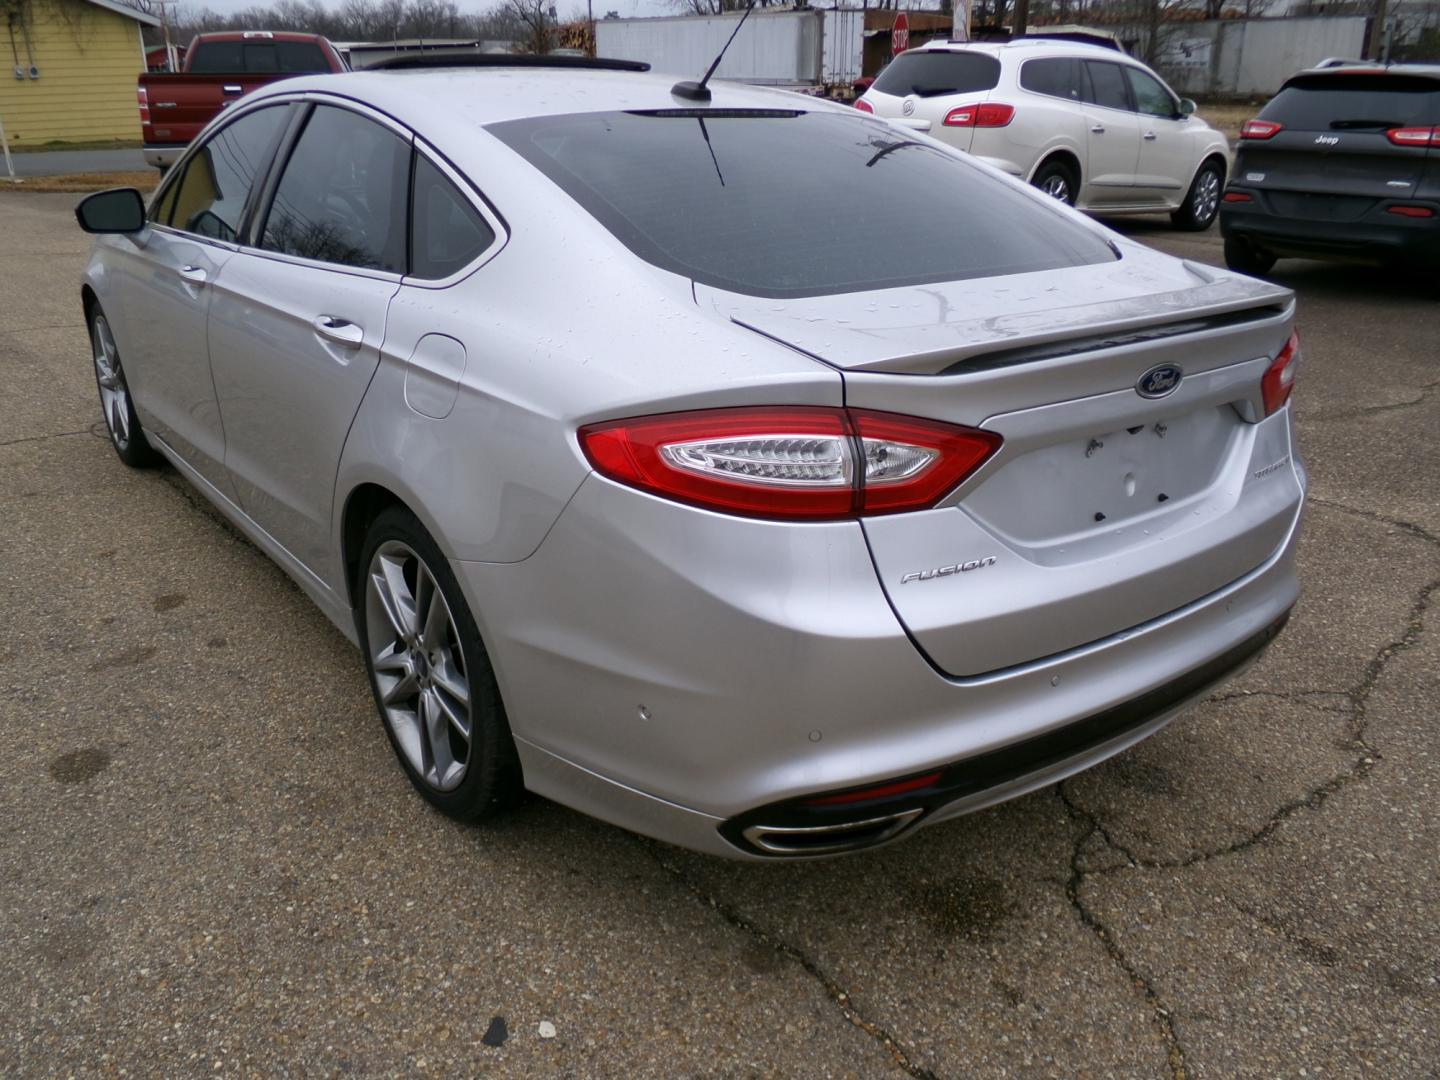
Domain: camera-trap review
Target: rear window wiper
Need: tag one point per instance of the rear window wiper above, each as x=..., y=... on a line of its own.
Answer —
x=1342, y=125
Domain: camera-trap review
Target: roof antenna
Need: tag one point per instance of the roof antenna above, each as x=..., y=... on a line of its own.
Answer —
x=693, y=91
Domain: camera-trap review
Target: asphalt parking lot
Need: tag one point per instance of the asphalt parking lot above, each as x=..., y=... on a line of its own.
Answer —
x=211, y=862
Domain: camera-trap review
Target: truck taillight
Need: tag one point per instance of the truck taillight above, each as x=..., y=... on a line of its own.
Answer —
x=990, y=114
x=790, y=463
x=1260, y=129
x=143, y=98
x=1279, y=378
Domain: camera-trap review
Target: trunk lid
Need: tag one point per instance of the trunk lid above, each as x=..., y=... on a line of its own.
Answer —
x=1103, y=509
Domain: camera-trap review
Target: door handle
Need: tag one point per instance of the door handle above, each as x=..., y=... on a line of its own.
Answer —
x=1149, y=136
x=195, y=275
x=342, y=332
x=1098, y=129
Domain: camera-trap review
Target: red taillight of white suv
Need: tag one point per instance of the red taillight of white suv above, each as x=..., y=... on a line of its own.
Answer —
x=797, y=463
x=1279, y=378
x=990, y=114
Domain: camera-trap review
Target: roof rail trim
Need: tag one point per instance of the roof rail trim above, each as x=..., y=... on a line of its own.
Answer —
x=466, y=58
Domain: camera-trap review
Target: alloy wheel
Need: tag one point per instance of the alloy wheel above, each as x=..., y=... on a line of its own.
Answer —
x=1207, y=196
x=114, y=393
x=1057, y=187
x=419, y=665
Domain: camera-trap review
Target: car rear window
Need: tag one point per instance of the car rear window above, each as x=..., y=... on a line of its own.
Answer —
x=796, y=204
x=1343, y=102
x=929, y=74
x=290, y=57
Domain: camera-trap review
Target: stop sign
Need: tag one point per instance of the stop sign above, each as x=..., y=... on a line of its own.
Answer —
x=900, y=35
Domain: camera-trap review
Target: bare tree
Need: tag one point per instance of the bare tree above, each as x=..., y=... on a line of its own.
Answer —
x=537, y=16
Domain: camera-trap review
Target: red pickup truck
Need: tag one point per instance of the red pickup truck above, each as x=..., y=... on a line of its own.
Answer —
x=221, y=68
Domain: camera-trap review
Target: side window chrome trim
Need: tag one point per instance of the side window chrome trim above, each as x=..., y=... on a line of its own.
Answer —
x=477, y=201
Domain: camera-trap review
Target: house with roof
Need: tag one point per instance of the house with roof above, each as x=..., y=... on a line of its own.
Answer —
x=69, y=70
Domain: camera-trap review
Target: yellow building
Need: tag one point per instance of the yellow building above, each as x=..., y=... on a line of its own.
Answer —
x=69, y=70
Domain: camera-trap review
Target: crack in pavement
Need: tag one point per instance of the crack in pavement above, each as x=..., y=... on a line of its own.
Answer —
x=1160, y=1016
x=1410, y=527
x=1370, y=410
x=832, y=988
x=1357, y=697
x=43, y=438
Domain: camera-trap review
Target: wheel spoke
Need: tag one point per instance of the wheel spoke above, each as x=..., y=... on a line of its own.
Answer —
x=394, y=596
x=437, y=728
x=401, y=690
x=435, y=632
x=391, y=658
x=458, y=718
x=452, y=682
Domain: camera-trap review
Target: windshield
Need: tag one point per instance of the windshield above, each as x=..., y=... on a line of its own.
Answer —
x=1353, y=102
x=779, y=203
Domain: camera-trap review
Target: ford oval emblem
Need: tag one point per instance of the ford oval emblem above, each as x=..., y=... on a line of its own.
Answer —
x=1160, y=380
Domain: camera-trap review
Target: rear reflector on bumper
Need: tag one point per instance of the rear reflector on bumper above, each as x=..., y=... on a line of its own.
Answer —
x=830, y=824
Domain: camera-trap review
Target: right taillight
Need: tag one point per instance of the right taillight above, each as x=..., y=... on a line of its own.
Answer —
x=143, y=97
x=987, y=115
x=864, y=106
x=1279, y=377
x=1416, y=136
x=797, y=463
x=1259, y=129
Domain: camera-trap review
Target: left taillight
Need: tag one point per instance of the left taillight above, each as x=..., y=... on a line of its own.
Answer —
x=864, y=106
x=797, y=463
x=986, y=115
x=1279, y=378
x=142, y=96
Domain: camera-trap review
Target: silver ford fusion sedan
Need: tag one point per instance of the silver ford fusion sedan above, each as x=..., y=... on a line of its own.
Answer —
x=747, y=472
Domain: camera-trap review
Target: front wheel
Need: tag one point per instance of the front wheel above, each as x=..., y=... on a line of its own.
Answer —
x=432, y=679
x=1057, y=180
x=1202, y=201
x=126, y=434
x=1245, y=258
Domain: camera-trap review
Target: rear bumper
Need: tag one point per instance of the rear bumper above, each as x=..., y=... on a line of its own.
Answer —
x=1377, y=236
x=671, y=670
x=162, y=156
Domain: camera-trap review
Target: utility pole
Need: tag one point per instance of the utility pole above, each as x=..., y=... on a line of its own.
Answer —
x=1377, y=31
x=1021, y=19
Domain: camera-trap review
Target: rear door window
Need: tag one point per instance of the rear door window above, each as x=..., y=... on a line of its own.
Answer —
x=930, y=74
x=714, y=195
x=342, y=197
x=1107, y=84
x=209, y=199
x=1053, y=76
x=1352, y=102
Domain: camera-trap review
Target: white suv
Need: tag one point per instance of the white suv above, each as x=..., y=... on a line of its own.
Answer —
x=1088, y=125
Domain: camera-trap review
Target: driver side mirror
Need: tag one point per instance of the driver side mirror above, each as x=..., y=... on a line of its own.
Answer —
x=1187, y=107
x=119, y=210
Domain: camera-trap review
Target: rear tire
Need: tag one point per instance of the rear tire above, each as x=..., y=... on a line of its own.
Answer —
x=1202, y=201
x=126, y=434
x=1246, y=258
x=1058, y=180
x=431, y=677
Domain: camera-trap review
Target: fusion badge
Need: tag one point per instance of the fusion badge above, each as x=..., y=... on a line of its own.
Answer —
x=946, y=571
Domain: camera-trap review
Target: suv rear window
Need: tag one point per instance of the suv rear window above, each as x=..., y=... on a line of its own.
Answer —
x=780, y=203
x=929, y=74
x=1343, y=102
x=291, y=57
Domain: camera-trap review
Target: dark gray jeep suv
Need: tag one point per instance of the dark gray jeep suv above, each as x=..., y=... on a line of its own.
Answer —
x=1343, y=162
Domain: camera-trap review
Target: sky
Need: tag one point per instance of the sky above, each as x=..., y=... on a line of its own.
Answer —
x=626, y=8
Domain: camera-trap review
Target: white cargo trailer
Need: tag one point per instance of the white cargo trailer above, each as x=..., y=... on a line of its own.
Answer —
x=795, y=47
